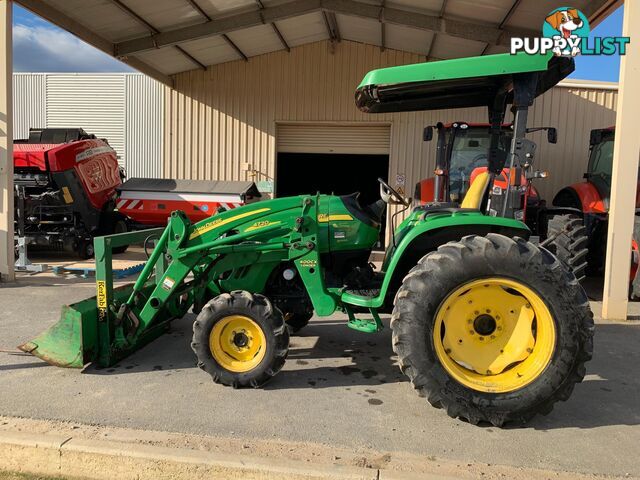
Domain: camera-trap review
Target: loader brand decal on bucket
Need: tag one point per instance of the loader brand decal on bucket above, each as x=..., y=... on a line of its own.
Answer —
x=565, y=32
x=207, y=227
x=101, y=288
x=101, y=299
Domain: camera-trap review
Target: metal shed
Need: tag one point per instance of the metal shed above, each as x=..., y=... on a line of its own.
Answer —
x=190, y=45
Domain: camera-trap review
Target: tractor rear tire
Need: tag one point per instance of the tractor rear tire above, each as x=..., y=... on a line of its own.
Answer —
x=531, y=312
x=567, y=239
x=240, y=339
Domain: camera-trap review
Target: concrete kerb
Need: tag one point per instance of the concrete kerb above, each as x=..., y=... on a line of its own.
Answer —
x=48, y=454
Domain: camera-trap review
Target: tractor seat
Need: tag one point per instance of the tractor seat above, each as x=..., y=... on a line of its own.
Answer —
x=472, y=202
x=370, y=214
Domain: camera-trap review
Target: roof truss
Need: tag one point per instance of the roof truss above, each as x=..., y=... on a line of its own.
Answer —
x=471, y=31
x=125, y=51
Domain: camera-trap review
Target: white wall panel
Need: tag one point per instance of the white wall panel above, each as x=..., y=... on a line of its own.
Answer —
x=94, y=102
x=125, y=108
x=29, y=106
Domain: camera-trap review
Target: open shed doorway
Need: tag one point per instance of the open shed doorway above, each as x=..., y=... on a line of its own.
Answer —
x=333, y=173
x=333, y=158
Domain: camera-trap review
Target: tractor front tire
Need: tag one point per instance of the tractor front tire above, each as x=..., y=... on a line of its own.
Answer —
x=240, y=339
x=567, y=239
x=492, y=329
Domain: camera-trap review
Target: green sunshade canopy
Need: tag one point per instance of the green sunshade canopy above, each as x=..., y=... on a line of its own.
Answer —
x=459, y=83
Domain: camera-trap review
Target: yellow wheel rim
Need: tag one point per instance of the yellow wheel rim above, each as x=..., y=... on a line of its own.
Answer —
x=237, y=343
x=494, y=335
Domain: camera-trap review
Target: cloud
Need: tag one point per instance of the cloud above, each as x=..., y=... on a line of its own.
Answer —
x=40, y=48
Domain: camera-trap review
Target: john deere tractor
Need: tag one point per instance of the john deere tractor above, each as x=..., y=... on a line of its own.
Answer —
x=485, y=324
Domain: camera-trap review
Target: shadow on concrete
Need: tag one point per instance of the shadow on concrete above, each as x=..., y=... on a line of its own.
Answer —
x=341, y=357
x=325, y=354
x=22, y=366
x=328, y=354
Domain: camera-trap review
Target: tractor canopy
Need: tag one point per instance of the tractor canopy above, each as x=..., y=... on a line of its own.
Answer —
x=460, y=83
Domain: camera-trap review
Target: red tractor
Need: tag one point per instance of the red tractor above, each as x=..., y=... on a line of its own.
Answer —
x=591, y=198
x=462, y=153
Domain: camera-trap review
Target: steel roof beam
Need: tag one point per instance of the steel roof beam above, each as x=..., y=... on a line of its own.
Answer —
x=504, y=21
x=331, y=22
x=510, y=13
x=235, y=47
x=218, y=26
x=154, y=31
x=75, y=28
x=204, y=14
x=276, y=30
x=443, y=9
x=199, y=9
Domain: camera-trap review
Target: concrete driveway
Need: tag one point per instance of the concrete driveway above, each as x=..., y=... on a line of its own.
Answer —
x=338, y=387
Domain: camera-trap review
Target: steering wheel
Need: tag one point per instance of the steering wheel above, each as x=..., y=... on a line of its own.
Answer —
x=390, y=195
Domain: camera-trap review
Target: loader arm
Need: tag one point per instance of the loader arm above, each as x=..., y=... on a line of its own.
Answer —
x=189, y=264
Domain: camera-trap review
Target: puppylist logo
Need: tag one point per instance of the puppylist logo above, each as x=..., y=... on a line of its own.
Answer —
x=565, y=32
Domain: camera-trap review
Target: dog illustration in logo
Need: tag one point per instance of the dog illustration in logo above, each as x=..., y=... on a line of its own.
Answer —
x=566, y=22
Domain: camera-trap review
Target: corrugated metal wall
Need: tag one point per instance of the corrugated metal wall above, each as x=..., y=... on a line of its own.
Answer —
x=574, y=110
x=30, y=106
x=94, y=102
x=219, y=119
x=127, y=109
x=144, y=126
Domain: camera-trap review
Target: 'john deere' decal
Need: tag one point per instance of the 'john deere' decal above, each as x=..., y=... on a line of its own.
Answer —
x=218, y=222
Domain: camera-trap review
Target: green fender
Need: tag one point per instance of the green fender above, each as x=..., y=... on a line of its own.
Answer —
x=418, y=236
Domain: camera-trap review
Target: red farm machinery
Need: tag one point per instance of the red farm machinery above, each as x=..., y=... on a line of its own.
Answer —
x=69, y=189
x=462, y=155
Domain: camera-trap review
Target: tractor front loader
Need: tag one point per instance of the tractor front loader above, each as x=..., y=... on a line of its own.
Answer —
x=485, y=324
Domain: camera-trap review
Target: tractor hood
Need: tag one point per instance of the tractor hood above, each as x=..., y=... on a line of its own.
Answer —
x=459, y=83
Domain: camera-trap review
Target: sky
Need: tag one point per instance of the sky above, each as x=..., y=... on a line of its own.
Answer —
x=602, y=67
x=39, y=46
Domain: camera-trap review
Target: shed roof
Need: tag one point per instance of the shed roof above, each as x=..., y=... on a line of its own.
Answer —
x=164, y=37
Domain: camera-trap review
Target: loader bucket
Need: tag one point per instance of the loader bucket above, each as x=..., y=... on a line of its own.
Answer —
x=74, y=340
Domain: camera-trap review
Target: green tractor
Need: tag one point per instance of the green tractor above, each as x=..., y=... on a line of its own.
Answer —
x=486, y=325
